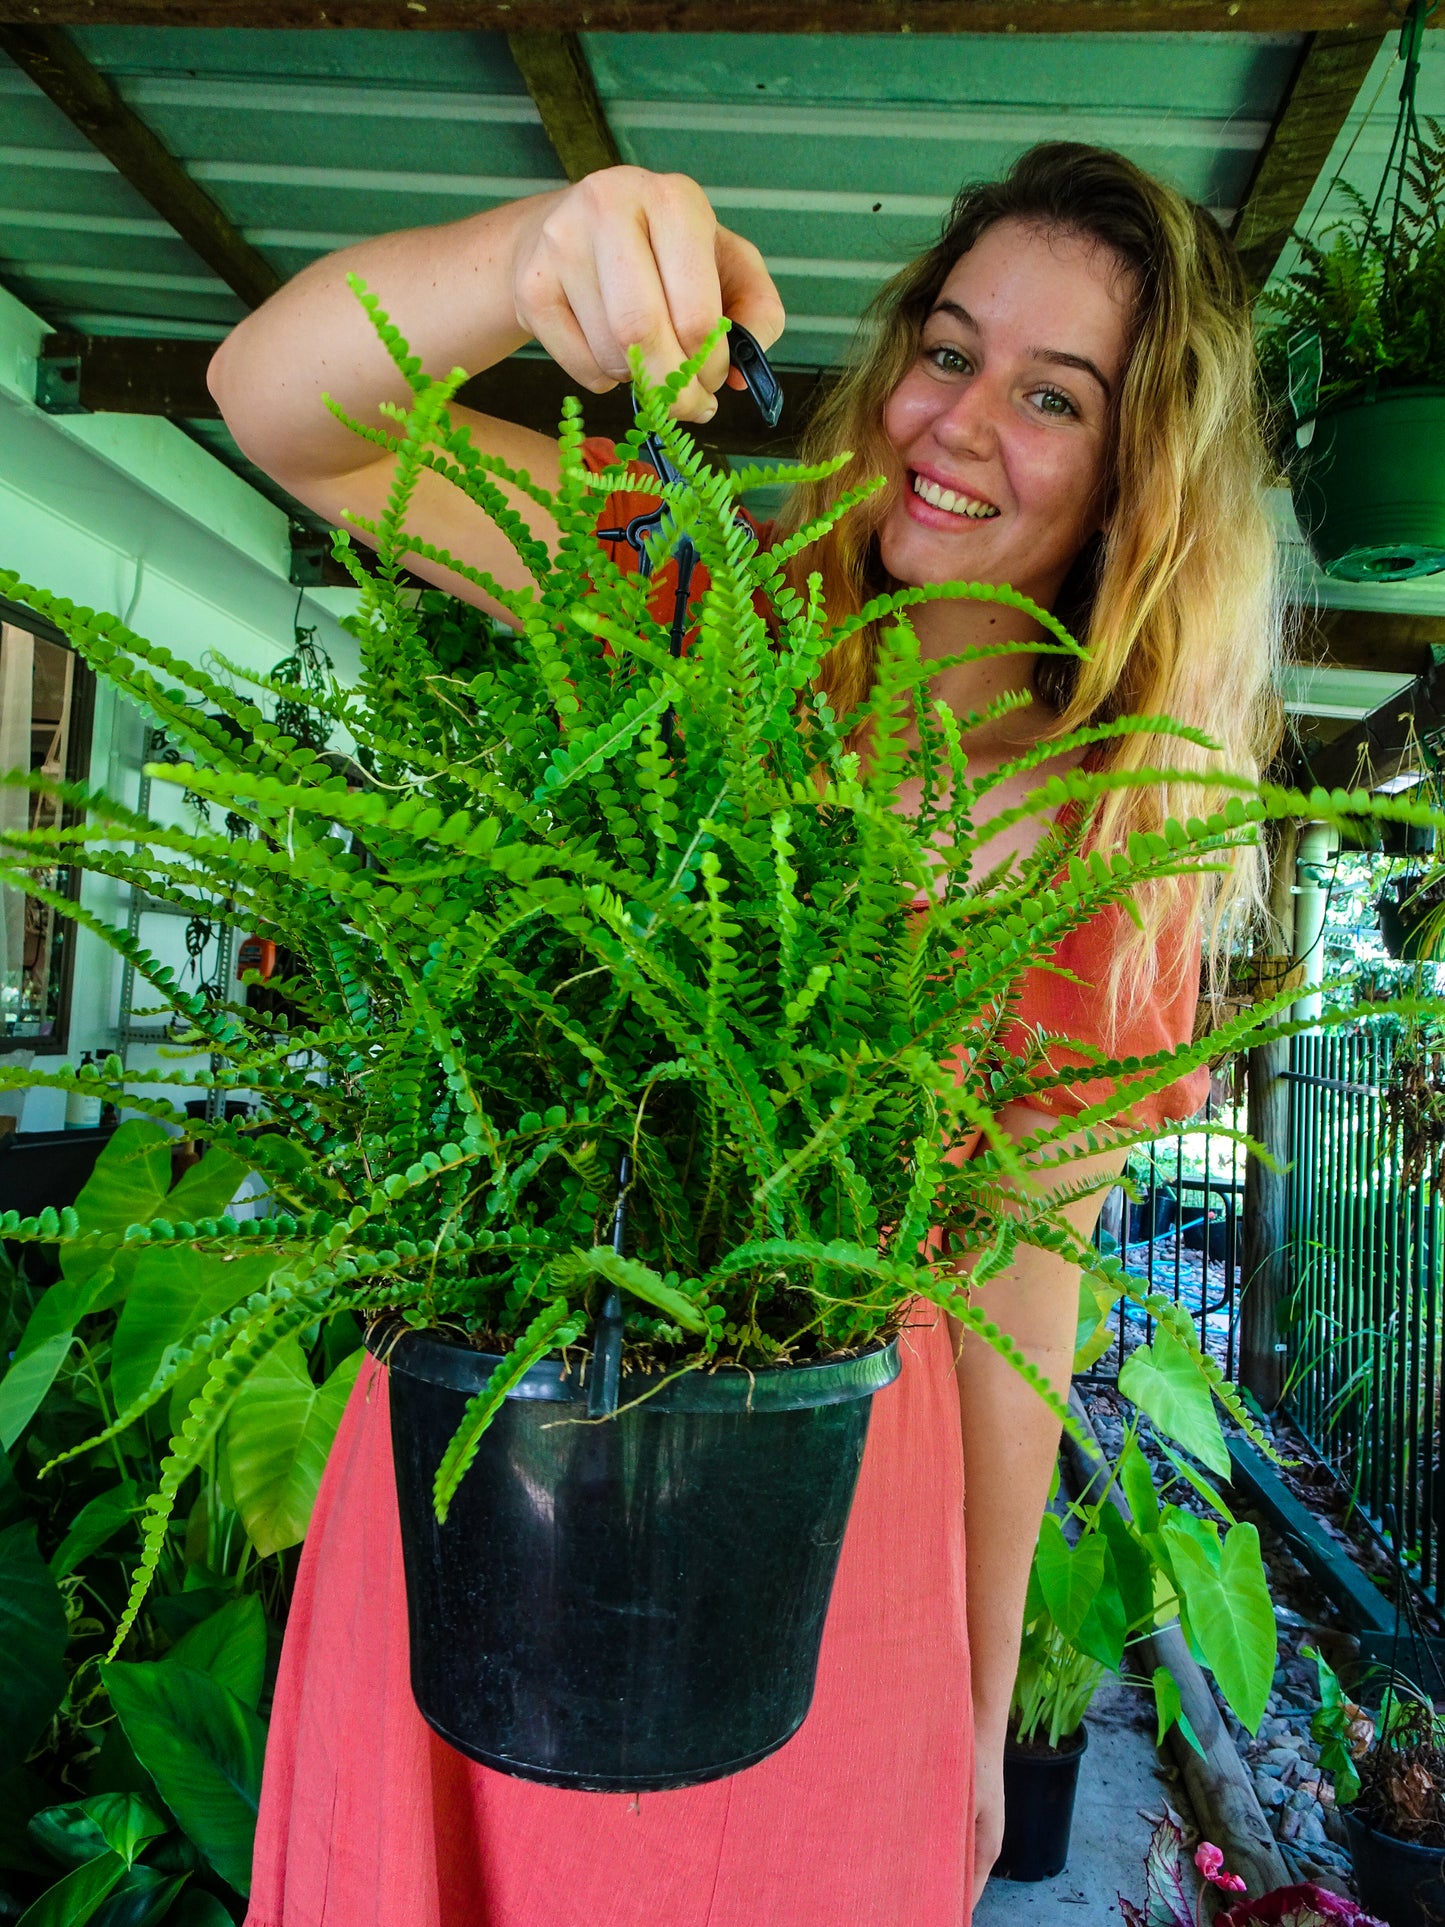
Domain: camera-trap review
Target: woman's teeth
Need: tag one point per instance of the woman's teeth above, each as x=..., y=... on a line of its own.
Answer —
x=944, y=498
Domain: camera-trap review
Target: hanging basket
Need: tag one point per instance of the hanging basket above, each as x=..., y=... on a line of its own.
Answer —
x=629, y=1604
x=1369, y=490
x=1254, y=980
x=1412, y=918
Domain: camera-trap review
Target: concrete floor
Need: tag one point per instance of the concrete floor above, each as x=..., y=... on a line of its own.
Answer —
x=1120, y=1774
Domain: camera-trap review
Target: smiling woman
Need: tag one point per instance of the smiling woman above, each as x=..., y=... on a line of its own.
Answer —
x=1059, y=396
x=1076, y=353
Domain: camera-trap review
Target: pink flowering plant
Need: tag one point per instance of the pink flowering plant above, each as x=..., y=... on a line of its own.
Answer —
x=1167, y=1902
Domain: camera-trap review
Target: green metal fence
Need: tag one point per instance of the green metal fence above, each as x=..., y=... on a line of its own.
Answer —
x=1364, y=1338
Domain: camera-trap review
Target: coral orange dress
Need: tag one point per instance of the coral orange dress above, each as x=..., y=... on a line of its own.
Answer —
x=863, y=1819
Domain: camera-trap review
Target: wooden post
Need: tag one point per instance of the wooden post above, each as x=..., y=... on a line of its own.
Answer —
x=1264, y=1260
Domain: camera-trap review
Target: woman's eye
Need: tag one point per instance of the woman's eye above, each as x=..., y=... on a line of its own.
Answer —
x=953, y=361
x=1053, y=401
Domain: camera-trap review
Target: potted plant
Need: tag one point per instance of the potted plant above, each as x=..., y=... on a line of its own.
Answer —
x=1167, y=1902
x=1354, y=354
x=1412, y=916
x=1088, y=1600
x=616, y=1082
x=1389, y=1775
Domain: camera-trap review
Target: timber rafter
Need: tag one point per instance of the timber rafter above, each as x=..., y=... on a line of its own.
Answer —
x=741, y=16
x=1325, y=86
x=559, y=79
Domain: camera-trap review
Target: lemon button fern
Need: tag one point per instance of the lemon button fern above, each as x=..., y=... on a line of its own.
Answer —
x=539, y=930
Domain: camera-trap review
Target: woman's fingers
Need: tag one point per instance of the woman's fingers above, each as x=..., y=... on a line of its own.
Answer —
x=747, y=289
x=683, y=231
x=628, y=258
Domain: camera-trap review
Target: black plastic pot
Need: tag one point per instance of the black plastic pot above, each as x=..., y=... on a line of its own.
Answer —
x=1406, y=910
x=1401, y=1882
x=1039, y=1783
x=1387, y=839
x=1148, y=1221
x=634, y=1603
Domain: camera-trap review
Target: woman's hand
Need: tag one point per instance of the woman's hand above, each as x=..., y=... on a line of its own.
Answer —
x=628, y=257
x=987, y=1807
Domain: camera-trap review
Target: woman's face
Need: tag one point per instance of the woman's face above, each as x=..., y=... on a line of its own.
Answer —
x=1006, y=417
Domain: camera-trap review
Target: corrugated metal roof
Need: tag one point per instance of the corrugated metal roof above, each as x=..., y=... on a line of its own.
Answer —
x=835, y=154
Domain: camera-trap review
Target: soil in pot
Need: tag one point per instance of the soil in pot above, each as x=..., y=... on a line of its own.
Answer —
x=1039, y=1784
x=633, y=1603
x=1402, y=1882
x=1370, y=488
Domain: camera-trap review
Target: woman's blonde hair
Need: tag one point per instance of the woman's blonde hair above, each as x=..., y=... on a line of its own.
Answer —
x=1177, y=600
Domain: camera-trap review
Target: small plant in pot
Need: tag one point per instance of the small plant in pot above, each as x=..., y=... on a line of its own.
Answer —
x=1168, y=1903
x=1389, y=1775
x=1123, y=1576
x=615, y=1083
x=1354, y=353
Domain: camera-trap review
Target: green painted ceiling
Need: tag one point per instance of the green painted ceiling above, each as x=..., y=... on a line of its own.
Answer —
x=835, y=154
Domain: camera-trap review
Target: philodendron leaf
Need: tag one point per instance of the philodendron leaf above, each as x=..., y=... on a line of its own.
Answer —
x=141, y=1898
x=200, y=1909
x=174, y=1290
x=96, y=1521
x=203, y=1748
x=1133, y=1570
x=229, y=1645
x=207, y=1187
x=1136, y=1482
x=1165, y=1383
x=73, y=1901
x=1094, y=1334
x=277, y=1438
x=130, y=1180
x=1169, y=1710
x=33, y=1635
x=30, y=1377
x=1069, y=1576
x=1230, y=1615
x=81, y=1830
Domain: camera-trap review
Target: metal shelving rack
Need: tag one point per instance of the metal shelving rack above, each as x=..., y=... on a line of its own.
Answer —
x=141, y=904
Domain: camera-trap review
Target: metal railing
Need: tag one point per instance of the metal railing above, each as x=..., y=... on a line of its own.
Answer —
x=1184, y=1237
x=1364, y=1340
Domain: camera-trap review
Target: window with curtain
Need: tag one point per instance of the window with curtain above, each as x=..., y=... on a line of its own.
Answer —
x=45, y=709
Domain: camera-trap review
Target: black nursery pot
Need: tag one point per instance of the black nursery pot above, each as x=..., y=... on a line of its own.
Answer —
x=631, y=1604
x=1401, y=1881
x=1039, y=1783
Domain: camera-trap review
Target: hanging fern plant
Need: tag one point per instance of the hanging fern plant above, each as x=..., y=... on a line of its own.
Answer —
x=581, y=901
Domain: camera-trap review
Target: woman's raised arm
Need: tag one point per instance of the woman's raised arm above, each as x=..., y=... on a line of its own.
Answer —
x=622, y=257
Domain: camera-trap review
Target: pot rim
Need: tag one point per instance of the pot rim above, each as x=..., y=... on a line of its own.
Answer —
x=1029, y=1752
x=440, y=1361
x=1352, y=1819
x=1418, y=391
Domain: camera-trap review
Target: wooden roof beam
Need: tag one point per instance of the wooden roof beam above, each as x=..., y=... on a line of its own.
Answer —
x=1326, y=84
x=560, y=81
x=89, y=102
x=121, y=374
x=740, y=16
